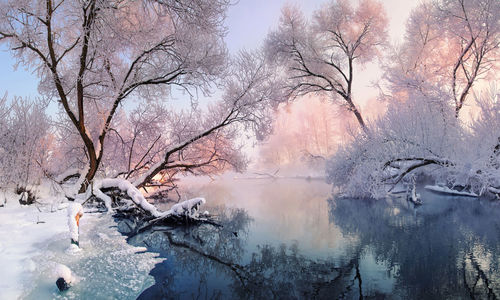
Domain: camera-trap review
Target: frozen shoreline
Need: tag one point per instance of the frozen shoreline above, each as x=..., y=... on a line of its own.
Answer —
x=22, y=237
x=447, y=191
x=33, y=243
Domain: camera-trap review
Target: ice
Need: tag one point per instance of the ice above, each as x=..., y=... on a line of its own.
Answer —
x=446, y=190
x=21, y=237
x=107, y=267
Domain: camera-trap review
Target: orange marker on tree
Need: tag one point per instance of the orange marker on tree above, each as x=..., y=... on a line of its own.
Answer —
x=75, y=212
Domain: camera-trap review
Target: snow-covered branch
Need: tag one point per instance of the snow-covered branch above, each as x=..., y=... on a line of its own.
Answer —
x=187, y=208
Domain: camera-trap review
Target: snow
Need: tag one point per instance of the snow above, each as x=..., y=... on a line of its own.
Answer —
x=33, y=256
x=74, y=209
x=67, y=173
x=125, y=186
x=35, y=241
x=141, y=178
x=99, y=194
x=21, y=234
x=74, y=189
x=398, y=189
x=446, y=190
x=414, y=196
x=188, y=207
x=494, y=190
x=62, y=271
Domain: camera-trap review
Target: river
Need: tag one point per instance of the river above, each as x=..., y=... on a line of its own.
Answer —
x=290, y=238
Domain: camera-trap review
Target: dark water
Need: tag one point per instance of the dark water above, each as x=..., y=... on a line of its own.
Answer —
x=291, y=239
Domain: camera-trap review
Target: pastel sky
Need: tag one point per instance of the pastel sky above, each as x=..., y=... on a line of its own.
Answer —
x=248, y=23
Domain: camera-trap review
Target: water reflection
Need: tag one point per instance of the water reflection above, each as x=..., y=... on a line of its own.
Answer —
x=208, y=262
x=445, y=249
x=291, y=239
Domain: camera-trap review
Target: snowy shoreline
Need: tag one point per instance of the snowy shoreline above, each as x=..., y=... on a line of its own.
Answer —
x=21, y=235
x=34, y=240
x=447, y=191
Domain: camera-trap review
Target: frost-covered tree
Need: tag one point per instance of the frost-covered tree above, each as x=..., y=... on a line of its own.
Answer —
x=422, y=136
x=449, y=45
x=91, y=56
x=100, y=52
x=320, y=55
x=206, y=141
x=418, y=133
x=25, y=142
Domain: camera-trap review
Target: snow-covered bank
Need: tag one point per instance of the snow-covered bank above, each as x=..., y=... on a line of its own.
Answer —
x=106, y=268
x=448, y=191
x=34, y=243
x=24, y=231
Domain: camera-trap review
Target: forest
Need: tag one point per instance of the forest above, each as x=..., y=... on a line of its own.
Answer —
x=94, y=57
x=137, y=97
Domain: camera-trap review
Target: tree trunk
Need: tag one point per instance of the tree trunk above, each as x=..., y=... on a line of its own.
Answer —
x=90, y=175
x=360, y=119
x=93, y=160
x=356, y=113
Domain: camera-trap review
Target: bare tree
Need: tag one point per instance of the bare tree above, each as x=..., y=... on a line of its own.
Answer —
x=450, y=45
x=100, y=52
x=475, y=26
x=320, y=56
x=24, y=141
x=206, y=142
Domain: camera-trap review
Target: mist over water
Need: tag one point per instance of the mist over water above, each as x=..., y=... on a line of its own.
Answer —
x=290, y=238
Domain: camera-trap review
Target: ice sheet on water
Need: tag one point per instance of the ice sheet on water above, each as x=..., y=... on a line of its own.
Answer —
x=447, y=190
x=107, y=267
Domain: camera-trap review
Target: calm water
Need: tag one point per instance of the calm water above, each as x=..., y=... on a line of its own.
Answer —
x=290, y=239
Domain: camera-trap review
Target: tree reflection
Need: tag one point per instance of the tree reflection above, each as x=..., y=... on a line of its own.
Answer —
x=208, y=262
x=448, y=248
